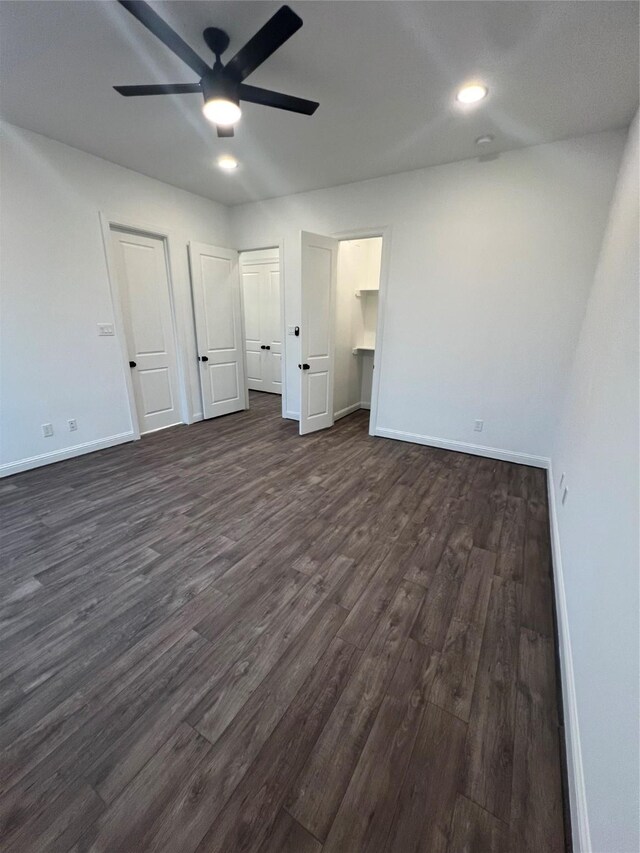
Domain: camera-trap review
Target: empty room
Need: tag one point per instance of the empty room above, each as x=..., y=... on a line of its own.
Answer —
x=319, y=426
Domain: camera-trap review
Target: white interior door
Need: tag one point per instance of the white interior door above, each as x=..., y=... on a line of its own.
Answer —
x=273, y=328
x=252, y=283
x=143, y=281
x=262, y=323
x=216, y=300
x=318, y=284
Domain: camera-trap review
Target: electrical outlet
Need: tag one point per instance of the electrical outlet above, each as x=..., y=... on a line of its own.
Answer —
x=477, y=426
x=105, y=329
x=47, y=430
x=73, y=424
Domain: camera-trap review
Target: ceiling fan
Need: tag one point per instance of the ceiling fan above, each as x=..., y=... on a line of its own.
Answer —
x=222, y=85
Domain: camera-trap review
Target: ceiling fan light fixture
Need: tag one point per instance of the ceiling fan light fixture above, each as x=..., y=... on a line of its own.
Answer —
x=221, y=101
x=222, y=111
x=221, y=84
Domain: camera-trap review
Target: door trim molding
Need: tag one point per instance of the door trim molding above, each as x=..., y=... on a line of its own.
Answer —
x=146, y=229
x=383, y=231
x=577, y=793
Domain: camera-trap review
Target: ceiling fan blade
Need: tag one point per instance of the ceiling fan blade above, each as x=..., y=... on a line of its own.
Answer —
x=224, y=130
x=159, y=89
x=267, y=98
x=153, y=22
x=266, y=41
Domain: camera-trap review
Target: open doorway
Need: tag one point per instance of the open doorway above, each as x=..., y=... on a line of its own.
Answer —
x=340, y=321
x=357, y=290
x=262, y=314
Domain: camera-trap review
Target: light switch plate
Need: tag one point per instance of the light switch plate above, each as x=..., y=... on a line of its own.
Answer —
x=105, y=329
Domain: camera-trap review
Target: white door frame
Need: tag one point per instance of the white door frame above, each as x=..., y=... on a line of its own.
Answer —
x=107, y=223
x=363, y=234
x=279, y=245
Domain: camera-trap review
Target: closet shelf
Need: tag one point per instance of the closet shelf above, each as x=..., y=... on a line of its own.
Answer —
x=356, y=350
x=367, y=290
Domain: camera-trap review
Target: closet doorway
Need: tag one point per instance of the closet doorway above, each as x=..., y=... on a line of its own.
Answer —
x=262, y=302
x=357, y=292
x=341, y=318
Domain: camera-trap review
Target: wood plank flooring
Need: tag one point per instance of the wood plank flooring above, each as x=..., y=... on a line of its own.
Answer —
x=226, y=637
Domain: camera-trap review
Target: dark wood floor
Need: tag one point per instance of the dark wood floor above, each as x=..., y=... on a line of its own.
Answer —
x=226, y=637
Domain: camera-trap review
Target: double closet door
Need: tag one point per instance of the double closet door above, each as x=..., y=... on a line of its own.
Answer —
x=260, y=272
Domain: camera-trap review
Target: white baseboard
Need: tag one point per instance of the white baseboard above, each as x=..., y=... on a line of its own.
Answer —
x=577, y=791
x=66, y=453
x=346, y=411
x=465, y=447
x=196, y=417
x=362, y=405
x=293, y=416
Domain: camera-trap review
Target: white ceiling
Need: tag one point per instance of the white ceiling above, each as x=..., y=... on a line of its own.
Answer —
x=385, y=74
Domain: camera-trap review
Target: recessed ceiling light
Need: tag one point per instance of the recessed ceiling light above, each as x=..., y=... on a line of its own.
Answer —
x=227, y=163
x=472, y=93
x=484, y=140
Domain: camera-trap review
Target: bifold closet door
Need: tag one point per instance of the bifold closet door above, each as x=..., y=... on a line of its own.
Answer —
x=262, y=325
x=216, y=300
x=319, y=271
x=143, y=283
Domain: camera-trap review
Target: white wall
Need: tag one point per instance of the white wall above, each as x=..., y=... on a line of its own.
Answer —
x=596, y=447
x=54, y=289
x=489, y=270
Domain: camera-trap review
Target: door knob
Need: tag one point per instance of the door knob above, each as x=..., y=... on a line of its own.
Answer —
x=262, y=346
x=303, y=366
x=132, y=364
x=267, y=347
x=203, y=358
